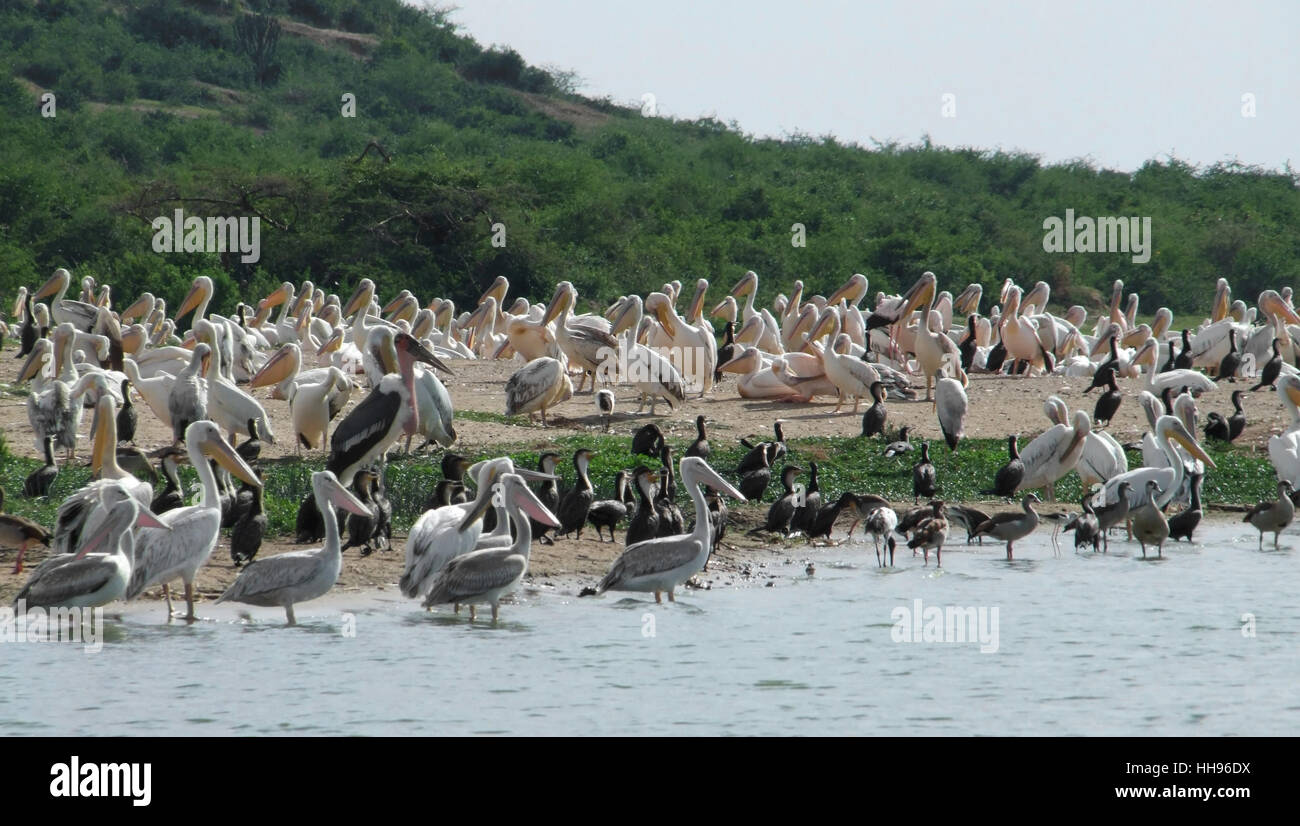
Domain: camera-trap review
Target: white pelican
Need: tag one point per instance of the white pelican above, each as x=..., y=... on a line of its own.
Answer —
x=92, y=577
x=1169, y=478
x=652, y=374
x=759, y=380
x=309, y=409
x=663, y=563
x=688, y=344
x=1054, y=453
x=540, y=384
x=163, y=555
x=586, y=346
x=950, y=401
x=383, y=416
x=187, y=400
x=79, y=314
x=228, y=405
x=1156, y=382
x=299, y=576
x=747, y=287
x=1284, y=448
x=487, y=575
x=284, y=369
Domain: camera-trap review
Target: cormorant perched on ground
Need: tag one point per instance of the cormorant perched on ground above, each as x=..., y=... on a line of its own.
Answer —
x=924, y=479
x=576, y=502
x=873, y=420
x=1272, y=368
x=645, y=519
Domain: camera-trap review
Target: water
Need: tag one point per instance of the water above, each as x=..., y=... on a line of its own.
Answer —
x=1086, y=645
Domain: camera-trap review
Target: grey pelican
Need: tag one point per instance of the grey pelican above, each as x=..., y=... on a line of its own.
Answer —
x=383, y=416
x=79, y=314
x=299, y=576
x=164, y=555
x=663, y=563
x=91, y=577
x=187, y=399
x=586, y=346
x=487, y=575
x=538, y=385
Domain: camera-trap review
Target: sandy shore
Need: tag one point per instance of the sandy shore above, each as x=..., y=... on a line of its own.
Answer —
x=999, y=406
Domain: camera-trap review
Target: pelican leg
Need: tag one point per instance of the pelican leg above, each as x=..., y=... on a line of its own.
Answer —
x=658, y=598
x=1009, y=549
x=496, y=612
x=839, y=402
x=189, y=602
x=471, y=613
x=288, y=615
x=671, y=598
x=167, y=595
x=456, y=608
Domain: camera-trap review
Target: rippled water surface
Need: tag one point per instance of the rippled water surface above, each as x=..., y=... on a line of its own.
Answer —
x=1085, y=645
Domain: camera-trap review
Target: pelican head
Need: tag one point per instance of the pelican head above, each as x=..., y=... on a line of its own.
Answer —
x=696, y=472
x=205, y=437
x=1171, y=428
x=55, y=285
x=360, y=298
x=853, y=290
x=200, y=292
x=330, y=490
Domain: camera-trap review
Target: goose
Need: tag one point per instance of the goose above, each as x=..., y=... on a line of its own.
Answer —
x=575, y=505
x=298, y=576
x=485, y=576
x=1012, y=527
x=663, y=563
x=1087, y=529
x=190, y=533
x=20, y=532
x=1273, y=516
x=968, y=517
x=931, y=533
x=1149, y=523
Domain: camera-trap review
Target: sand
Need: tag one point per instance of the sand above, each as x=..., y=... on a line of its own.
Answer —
x=998, y=406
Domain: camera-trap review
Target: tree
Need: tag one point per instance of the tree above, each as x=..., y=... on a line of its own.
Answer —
x=257, y=36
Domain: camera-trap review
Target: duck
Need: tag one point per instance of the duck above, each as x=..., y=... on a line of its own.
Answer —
x=699, y=447
x=645, y=518
x=900, y=445
x=924, y=478
x=1011, y=474
x=607, y=513
x=1012, y=527
x=1182, y=524
x=575, y=505
x=873, y=420
x=39, y=481
x=1086, y=527
x=754, y=482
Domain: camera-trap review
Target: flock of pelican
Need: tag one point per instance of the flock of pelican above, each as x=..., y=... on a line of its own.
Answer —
x=115, y=537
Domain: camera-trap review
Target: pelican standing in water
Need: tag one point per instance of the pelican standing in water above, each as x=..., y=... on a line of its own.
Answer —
x=663, y=563
x=1055, y=452
x=487, y=575
x=164, y=555
x=299, y=576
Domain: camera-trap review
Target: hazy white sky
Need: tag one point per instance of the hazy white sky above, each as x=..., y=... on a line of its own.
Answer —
x=1113, y=82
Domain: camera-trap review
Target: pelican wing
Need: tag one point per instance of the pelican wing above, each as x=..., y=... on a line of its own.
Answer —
x=1038, y=454
x=531, y=384
x=475, y=574
x=160, y=553
x=424, y=556
x=653, y=556
x=263, y=579
x=61, y=579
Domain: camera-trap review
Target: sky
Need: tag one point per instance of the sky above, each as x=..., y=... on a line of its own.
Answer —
x=1114, y=83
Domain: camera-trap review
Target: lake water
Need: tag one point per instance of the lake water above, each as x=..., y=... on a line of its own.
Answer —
x=1085, y=645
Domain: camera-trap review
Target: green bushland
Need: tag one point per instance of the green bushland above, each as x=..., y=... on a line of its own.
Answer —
x=160, y=105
